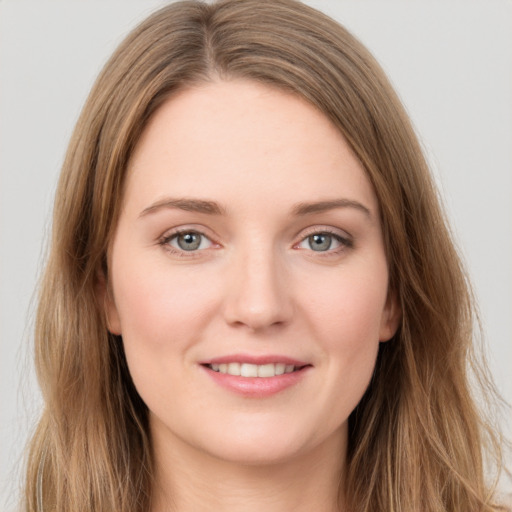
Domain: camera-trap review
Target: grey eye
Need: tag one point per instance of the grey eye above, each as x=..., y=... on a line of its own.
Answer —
x=320, y=242
x=189, y=241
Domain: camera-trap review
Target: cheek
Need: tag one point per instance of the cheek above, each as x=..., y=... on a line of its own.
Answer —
x=350, y=308
x=346, y=317
x=161, y=312
x=162, y=315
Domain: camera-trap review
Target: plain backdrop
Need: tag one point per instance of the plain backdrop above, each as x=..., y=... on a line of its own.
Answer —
x=451, y=62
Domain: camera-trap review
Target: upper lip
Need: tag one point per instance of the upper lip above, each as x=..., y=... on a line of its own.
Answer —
x=255, y=359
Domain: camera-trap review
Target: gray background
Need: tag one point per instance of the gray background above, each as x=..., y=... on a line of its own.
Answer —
x=451, y=62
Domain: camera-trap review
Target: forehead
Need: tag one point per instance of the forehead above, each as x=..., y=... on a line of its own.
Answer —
x=241, y=139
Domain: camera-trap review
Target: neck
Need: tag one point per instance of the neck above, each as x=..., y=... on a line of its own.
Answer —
x=187, y=480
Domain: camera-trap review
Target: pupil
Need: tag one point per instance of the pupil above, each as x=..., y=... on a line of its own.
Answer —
x=320, y=242
x=189, y=241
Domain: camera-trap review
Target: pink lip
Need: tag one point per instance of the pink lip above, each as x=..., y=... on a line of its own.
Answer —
x=256, y=387
x=249, y=359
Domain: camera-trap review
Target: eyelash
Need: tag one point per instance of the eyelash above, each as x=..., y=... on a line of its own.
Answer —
x=345, y=242
x=167, y=238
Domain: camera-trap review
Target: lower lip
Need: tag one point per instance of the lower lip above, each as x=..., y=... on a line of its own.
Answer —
x=257, y=387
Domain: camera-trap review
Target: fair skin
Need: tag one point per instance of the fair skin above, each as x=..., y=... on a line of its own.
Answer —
x=278, y=265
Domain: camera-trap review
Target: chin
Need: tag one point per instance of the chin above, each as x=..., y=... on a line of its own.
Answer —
x=251, y=453
x=263, y=444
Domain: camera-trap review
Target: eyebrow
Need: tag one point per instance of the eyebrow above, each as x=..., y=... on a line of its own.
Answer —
x=323, y=206
x=214, y=208
x=189, y=205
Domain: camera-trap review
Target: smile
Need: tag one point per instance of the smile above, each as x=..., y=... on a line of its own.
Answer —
x=256, y=376
x=254, y=370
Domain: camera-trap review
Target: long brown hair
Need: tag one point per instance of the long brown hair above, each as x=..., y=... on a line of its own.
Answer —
x=416, y=439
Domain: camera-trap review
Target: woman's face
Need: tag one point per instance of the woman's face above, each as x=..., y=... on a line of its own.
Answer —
x=248, y=275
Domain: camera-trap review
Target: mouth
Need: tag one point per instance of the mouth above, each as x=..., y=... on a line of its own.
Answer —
x=256, y=376
x=264, y=371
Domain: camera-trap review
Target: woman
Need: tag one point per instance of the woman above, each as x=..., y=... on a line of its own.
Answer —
x=252, y=299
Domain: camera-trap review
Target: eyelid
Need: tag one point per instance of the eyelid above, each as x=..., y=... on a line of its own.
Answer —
x=203, y=239
x=313, y=230
x=188, y=228
x=342, y=236
x=170, y=234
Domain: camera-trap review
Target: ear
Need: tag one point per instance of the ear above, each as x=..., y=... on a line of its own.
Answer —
x=106, y=302
x=391, y=317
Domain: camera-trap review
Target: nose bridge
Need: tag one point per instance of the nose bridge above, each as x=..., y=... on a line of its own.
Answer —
x=258, y=295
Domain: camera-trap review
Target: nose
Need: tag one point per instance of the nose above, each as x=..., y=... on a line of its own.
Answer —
x=258, y=293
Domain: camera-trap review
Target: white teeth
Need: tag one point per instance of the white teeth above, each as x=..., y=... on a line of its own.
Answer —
x=234, y=368
x=280, y=368
x=253, y=370
x=267, y=370
x=248, y=370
